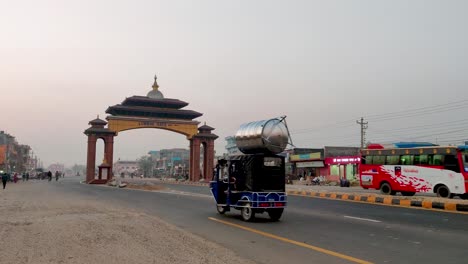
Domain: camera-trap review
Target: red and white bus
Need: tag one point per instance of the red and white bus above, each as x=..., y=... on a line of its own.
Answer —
x=415, y=167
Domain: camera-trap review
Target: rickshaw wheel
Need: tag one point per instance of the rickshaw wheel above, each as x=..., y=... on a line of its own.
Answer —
x=275, y=214
x=220, y=209
x=247, y=213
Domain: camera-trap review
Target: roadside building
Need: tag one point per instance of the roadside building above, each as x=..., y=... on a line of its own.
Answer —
x=125, y=168
x=333, y=163
x=170, y=162
x=13, y=156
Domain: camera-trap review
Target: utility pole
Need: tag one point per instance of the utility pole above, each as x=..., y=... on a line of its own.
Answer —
x=364, y=126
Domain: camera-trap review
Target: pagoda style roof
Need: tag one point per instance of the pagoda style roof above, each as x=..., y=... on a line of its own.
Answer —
x=205, y=127
x=154, y=105
x=142, y=111
x=98, y=122
x=150, y=102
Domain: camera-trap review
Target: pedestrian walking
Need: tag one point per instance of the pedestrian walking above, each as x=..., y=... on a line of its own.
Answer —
x=4, y=178
x=15, y=178
x=57, y=175
x=49, y=175
x=23, y=177
x=27, y=176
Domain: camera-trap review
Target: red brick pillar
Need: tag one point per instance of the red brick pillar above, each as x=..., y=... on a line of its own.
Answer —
x=194, y=159
x=109, y=155
x=91, y=160
x=208, y=160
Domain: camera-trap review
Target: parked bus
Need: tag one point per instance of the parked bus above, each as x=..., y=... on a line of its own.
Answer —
x=415, y=167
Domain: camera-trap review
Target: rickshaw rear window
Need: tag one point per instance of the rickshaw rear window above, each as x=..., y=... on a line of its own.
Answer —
x=272, y=162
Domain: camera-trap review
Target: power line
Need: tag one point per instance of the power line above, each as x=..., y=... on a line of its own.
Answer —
x=423, y=127
x=456, y=137
x=450, y=104
x=328, y=136
x=439, y=131
x=412, y=112
x=336, y=125
x=409, y=113
x=435, y=111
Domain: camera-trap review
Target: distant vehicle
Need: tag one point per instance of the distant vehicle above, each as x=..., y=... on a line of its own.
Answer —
x=255, y=182
x=415, y=167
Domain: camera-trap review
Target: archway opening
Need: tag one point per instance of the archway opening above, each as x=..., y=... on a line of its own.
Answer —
x=100, y=146
x=151, y=153
x=202, y=162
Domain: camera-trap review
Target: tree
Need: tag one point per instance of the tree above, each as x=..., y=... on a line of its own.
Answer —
x=146, y=165
x=79, y=169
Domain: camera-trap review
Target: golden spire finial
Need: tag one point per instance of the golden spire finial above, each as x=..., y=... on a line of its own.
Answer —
x=155, y=85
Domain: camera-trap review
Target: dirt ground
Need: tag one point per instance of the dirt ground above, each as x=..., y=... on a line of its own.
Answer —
x=41, y=224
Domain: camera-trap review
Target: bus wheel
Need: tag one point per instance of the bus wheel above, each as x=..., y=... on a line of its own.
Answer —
x=408, y=193
x=247, y=213
x=386, y=189
x=443, y=192
x=464, y=196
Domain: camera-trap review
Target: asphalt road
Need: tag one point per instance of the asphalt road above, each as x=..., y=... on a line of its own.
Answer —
x=311, y=230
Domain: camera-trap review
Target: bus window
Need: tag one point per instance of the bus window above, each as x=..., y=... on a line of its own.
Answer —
x=366, y=160
x=427, y=159
x=451, y=163
x=416, y=160
x=378, y=160
x=392, y=160
x=424, y=159
x=438, y=160
x=406, y=160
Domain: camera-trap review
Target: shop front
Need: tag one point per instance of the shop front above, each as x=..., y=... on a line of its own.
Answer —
x=307, y=165
x=342, y=167
x=331, y=163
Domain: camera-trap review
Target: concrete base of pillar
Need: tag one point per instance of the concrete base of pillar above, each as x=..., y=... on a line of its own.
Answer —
x=98, y=182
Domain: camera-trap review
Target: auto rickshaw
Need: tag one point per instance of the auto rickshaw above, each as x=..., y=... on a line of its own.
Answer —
x=255, y=182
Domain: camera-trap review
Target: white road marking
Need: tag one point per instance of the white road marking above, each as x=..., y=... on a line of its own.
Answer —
x=185, y=193
x=363, y=219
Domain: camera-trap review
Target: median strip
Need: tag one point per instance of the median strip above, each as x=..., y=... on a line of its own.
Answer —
x=451, y=206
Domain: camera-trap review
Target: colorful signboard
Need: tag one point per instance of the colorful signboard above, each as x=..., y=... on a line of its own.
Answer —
x=310, y=164
x=343, y=160
x=309, y=156
x=3, y=149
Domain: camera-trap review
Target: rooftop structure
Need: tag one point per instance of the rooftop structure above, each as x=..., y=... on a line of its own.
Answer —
x=154, y=105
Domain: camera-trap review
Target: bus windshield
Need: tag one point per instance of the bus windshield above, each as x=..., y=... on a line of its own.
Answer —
x=465, y=160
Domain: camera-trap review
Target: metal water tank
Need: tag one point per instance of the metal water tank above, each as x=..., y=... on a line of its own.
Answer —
x=266, y=136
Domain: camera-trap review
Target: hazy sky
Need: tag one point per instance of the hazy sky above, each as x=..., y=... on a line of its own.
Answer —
x=324, y=64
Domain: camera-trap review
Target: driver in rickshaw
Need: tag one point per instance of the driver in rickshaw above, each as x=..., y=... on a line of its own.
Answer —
x=228, y=181
x=224, y=175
